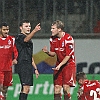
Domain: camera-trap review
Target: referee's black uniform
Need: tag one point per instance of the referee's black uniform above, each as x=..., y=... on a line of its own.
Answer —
x=24, y=66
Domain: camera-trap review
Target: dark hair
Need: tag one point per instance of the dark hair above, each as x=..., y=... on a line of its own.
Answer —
x=59, y=24
x=80, y=75
x=24, y=21
x=3, y=24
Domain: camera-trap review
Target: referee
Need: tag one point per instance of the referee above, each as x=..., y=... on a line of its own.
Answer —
x=25, y=63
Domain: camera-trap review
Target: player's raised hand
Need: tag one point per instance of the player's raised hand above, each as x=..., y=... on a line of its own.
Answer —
x=37, y=27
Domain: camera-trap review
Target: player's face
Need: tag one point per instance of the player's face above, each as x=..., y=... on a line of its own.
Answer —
x=25, y=28
x=4, y=31
x=54, y=30
x=81, y=81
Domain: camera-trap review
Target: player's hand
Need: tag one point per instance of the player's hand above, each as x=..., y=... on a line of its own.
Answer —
x=56, y=68
x=37, y=27
x=45, y=49
x=37, y=73
x=14, y=62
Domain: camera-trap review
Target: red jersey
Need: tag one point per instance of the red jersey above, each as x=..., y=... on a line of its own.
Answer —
x=7, y=51
x=90, y=90
x=63, y=47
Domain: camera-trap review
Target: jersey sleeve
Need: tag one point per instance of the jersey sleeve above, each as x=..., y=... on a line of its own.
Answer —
x=91, y=90
x=69, y=43
x=52, y=45
x=80, y=94
x=15, y=52
x=20, y=39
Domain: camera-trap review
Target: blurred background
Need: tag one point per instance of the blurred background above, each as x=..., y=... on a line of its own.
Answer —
x=82, y=21
x=79, y=16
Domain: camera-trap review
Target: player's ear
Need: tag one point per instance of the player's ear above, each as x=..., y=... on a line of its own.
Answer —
x=20, y=27
x=0, y=30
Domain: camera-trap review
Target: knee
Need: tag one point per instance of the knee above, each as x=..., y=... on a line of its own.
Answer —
x=66, y=89
x=5, y=88
x=1, y=87
x=57, y=89
x=26, y=89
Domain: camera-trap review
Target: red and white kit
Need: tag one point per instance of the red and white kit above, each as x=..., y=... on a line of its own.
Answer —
x=8, y=52
x=90, y=90
x=64, y=47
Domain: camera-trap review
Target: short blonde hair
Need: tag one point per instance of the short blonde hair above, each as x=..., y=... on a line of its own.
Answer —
x=59, y=24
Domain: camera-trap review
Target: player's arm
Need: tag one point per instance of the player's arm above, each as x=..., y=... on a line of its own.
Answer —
x=62, y=63
x=28, y=37
x=69, y=46
x=49, y=53
x=80, y=94
x=15, y=53
x=35, y=67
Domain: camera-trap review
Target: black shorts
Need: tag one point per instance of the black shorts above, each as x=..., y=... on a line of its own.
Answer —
x=26, y=74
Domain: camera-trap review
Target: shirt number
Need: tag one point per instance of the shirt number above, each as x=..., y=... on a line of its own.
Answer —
x=94, y=93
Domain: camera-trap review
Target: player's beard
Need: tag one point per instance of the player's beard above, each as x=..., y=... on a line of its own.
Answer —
x=4, y=35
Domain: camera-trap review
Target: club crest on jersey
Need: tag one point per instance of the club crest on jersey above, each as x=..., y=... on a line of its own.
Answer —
x=63, y=44
x=9, y=42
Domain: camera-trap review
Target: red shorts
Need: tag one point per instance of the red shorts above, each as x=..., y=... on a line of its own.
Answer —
x=6, y=78
x=65, y=76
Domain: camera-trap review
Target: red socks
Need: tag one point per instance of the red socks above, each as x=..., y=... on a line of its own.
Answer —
x=67, y=97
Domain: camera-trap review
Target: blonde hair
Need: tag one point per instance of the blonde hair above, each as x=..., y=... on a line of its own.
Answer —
x=59, y=24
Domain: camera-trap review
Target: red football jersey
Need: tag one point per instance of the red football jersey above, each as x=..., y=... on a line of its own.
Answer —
x=90, y=90
x=63, y=47
x=7, y=51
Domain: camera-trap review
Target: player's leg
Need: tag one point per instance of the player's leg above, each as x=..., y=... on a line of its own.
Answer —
x=5, y=89
x=26, y=79
x=69, y=73
x=57, y=92
x=57, y=85
x=24, y=92
x=1, y=94
x=66, y=90
x=1, y=85
x=7, y=82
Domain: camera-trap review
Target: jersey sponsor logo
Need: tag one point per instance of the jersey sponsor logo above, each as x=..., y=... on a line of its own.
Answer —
x=59, y=49
x=5, y=47
x=89, y=85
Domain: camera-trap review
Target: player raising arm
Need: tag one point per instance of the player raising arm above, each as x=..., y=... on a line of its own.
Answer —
x=26, y=63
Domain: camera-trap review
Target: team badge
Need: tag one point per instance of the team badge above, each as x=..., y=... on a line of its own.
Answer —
x=63, y=44
x=9, y=42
